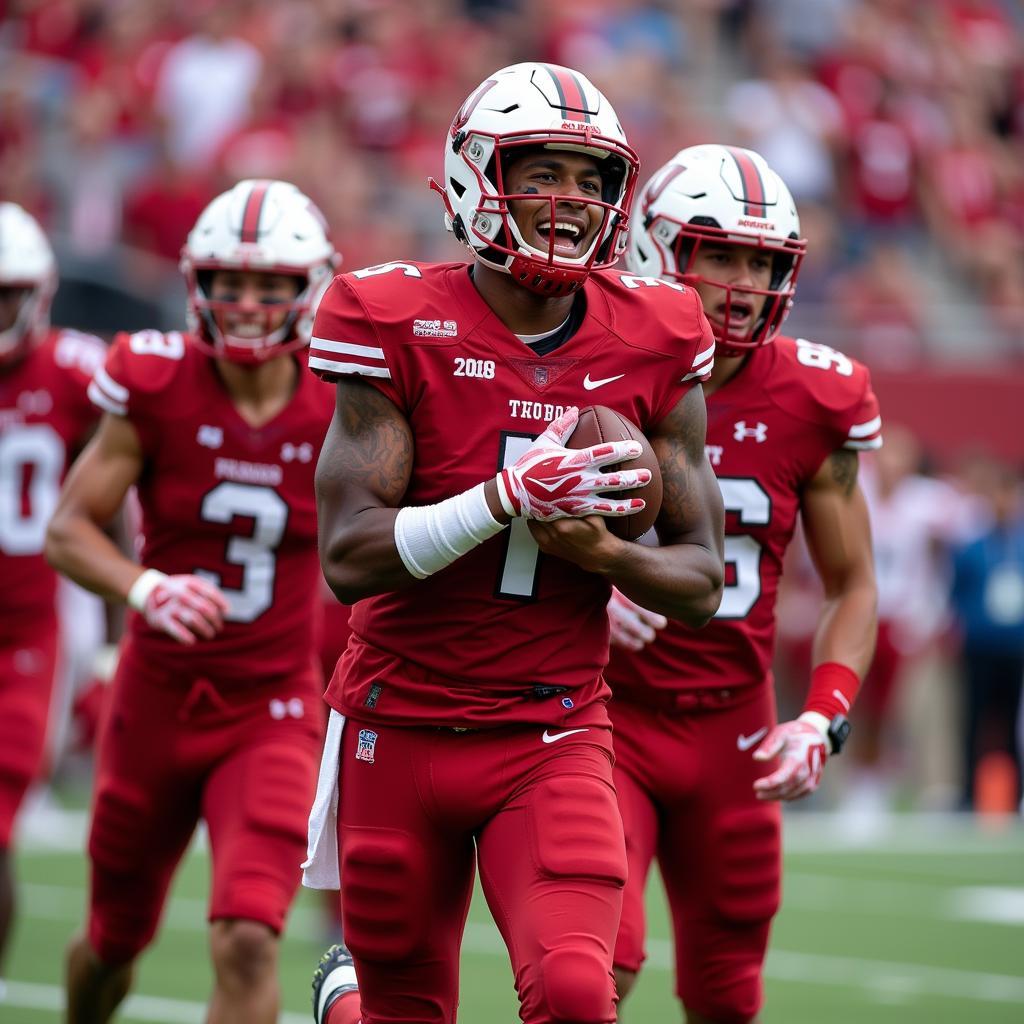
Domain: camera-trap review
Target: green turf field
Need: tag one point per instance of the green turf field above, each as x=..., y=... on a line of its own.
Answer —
x=924, y=924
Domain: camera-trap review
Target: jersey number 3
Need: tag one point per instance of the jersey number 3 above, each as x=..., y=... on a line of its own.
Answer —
x=257, y=553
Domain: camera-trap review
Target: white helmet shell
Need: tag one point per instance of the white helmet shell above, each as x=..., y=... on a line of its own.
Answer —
x=259, y=225
x=26, y=261
x=533, y=105
x=720, y=194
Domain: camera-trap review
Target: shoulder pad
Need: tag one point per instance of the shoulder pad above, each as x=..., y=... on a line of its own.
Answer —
x=138, y=365
x=78, y=351
x=669, y=310
x=824, y=386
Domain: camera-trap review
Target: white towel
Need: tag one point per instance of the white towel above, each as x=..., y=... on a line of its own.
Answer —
x=320, y=870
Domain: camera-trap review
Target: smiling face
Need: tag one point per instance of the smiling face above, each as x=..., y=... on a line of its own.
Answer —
x=576, y=177
x=724, y=276
x=254, y=303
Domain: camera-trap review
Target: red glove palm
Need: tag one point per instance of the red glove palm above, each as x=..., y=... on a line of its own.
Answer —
x=185, y=607
x=803, y=752
x=550, y=481
x=632, y=626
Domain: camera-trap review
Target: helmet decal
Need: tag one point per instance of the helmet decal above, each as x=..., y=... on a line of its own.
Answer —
x=253, y=208
x=753, y=197
x=571, y=95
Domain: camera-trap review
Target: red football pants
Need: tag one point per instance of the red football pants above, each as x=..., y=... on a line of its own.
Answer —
x=173, y=751
x=685, y=789
x=541, y=821
x=28, y=664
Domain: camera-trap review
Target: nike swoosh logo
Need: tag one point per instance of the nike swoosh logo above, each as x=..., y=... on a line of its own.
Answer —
x=591, y=384
x=746, y=742
x=554, y=737
x=543, y=483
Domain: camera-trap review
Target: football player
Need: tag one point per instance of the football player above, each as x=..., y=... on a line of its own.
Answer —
x=214, y=711
x=701, y=764
x=474, y=730
x=44, y=418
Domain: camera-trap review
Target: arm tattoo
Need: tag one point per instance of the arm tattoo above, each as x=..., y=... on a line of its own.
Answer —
x=843, y=465
x=680, y=448
x=369, y=444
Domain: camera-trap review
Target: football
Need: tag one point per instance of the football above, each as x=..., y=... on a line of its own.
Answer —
x=598, y=424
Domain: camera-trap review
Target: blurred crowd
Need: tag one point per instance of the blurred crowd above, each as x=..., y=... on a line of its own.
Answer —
x=899, y=126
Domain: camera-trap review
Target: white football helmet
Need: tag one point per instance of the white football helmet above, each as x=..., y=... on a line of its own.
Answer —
x=265, y=226
x=532, y=105
x=719, y=194
x=27, y=264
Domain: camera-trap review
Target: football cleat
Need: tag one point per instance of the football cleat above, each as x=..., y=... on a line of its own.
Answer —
x=334, y=976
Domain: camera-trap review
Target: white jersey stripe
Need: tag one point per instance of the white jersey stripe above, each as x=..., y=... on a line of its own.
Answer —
x=866, y=429
x=864, y=446
x=704, y=372
x=98, y=398
x=704, y=356
x=333, y=366
x=346, y=348
x=118, y=392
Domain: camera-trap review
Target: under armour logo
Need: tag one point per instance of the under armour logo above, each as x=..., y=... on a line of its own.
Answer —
x=714, y=452
x=292, y=452
x=210, y=437
x=758, y=433
x=291, y=708
x=35, y=403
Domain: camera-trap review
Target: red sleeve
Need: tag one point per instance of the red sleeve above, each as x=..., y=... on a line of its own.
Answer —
x=346, y=342
x=864, y=420
x=830, y=388
x=138, y=367
x=689, y=337
x=78, y=356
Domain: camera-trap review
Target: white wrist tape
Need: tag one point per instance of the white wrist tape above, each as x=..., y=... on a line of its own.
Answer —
x=820, y=722
x=143, y=587
x=430, y=537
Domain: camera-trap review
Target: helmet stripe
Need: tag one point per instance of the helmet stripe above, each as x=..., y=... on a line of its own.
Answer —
x=571, y=95
x=253, y=209
x=753, y=186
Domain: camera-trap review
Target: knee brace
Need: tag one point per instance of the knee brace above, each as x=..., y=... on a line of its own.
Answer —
x=577, y=986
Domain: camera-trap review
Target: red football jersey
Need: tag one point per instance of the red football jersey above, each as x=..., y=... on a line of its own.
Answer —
x=769, y=430
x=44, y=416
x=478, y=641
x=223, y=500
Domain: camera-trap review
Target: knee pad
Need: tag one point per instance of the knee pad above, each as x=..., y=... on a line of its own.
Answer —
x=113, y=843
x=384, y=885
x=577, y=986
x=576, y=830
x=746, y=886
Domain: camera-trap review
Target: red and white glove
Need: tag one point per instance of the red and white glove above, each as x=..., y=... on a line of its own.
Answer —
x=632, y=626
x=185, y=607
x=550, y=481
x=803, y=749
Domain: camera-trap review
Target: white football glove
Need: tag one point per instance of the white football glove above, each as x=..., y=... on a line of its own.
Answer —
x=550, y=481
x=632, y=627
x=803, y=751
x=185, y=607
